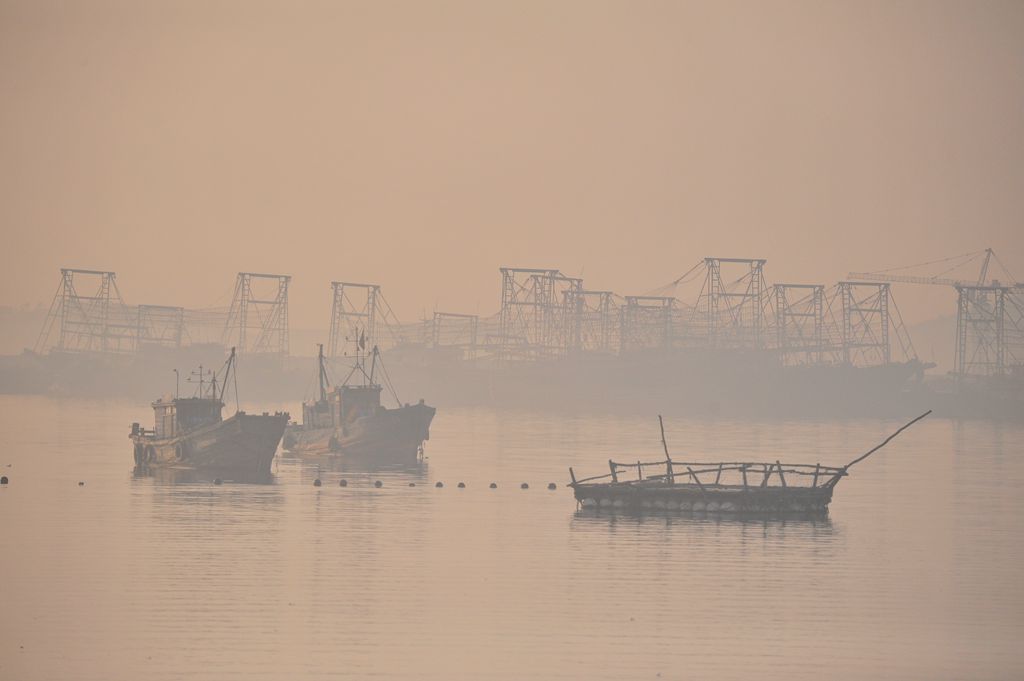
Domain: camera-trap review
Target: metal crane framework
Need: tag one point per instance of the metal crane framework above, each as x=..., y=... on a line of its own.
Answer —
x=257, y=320
x=360, y=311
x=95, y=322
x=647, y=323
x=591, y=318
x=989, y=327
x=532, y=317
x=453, y=330
x=800, y=323
x=989, y=331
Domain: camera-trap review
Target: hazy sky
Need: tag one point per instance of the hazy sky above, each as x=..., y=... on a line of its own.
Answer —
x=421, y=145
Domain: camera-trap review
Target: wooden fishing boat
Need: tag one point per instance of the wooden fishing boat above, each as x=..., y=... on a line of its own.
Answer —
x=774, y=488
x=190, y=433
x=350, y=419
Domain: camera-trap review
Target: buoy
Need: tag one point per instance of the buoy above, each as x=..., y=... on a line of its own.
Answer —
x=412, y=484
x=494, y=485
x=462, y=485
x=343, y=483
x=524, y=486
x=552, y=485
x=438, y=484
x=218, y=481
x=3, y=480
x=81, y=484
x=378, y=484
x=317, y=482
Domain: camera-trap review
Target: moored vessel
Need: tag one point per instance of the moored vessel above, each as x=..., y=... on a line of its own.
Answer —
x=191, y=433
x=350, y=419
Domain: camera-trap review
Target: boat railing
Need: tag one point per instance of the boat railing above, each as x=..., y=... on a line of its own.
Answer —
x=719, y=474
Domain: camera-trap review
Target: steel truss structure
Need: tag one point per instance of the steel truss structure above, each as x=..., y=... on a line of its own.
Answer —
x=359, y=311
x=257, y=320
x=870, y=320
x=646, y=322
x=95, y=322
x=800, y=326
x=591, y=318
x=533, y=313
x=160, y=325
x=989, y=331
x=458, y=331
x=732, y=311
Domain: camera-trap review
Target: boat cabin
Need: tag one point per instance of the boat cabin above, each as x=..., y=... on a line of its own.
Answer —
x=174, y=417
x=349, y=402
x=317, y=414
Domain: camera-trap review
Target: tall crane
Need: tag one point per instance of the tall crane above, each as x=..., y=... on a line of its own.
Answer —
x=990, y=313
x=959, y=261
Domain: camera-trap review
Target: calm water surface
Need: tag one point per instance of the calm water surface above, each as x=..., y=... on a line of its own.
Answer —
x=917, y=574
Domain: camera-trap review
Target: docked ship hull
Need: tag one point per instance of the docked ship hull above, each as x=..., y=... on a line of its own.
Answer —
x=244, y=444
x=391, y=433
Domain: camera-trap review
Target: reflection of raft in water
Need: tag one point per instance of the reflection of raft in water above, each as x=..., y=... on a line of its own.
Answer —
x=726, y=487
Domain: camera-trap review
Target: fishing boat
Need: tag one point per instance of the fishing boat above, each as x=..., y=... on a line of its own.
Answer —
x=767, y=488
x=350, y=419
x=191, y=433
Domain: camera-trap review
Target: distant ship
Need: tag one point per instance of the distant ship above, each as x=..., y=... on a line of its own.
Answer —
x=350, y=419
x=190, y=433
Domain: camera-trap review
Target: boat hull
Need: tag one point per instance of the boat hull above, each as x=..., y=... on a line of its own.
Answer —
x=392, y=433
x=244, y=444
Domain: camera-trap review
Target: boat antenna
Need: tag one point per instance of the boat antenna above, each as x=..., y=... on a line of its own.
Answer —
x=176, y=383
x=886, y=441
x=201, y=375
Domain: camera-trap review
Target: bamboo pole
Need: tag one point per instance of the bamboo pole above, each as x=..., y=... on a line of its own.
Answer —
x=886, y=441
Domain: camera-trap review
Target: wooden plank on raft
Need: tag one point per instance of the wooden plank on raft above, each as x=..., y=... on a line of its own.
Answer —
x=781, y=476
x=817, y=467
x=696, y=480
x=615, y=475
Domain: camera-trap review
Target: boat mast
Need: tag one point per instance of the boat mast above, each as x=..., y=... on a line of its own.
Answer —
x=228, y=366
x=322, y=375
x=373, y=364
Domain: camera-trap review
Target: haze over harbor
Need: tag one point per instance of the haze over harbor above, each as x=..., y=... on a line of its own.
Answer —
x=576, y=339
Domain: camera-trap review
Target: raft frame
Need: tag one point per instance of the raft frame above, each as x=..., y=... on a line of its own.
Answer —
x=807, y=492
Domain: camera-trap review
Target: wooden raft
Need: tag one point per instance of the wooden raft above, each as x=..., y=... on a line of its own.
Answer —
x=719, y=487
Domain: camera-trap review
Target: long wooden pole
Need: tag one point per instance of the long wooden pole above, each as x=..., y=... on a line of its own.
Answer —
x=886, y=441
x=664, y=445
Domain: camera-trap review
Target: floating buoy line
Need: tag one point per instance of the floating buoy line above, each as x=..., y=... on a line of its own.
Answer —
x=378, y=484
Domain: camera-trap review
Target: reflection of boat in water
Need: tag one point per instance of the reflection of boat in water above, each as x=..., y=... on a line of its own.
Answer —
x=190, y=433
x=350, y=419
x=737, y=487
x=165, y=475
